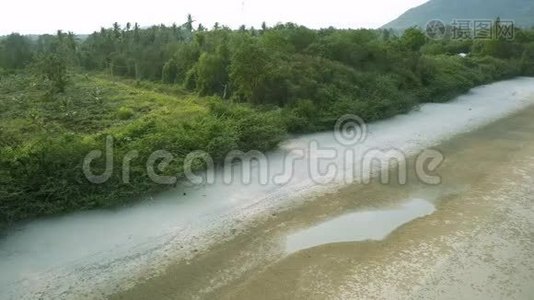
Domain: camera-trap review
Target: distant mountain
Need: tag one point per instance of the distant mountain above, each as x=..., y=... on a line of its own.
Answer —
x=521, y=11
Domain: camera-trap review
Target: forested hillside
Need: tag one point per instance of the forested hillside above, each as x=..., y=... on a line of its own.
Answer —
x=180, y=89
x=520, y=11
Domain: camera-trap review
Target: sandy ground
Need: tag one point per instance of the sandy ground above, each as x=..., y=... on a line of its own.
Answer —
x=479, y=244
x=488, y=253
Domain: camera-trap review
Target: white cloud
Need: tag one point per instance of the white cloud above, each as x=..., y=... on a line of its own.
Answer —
x=46, y=16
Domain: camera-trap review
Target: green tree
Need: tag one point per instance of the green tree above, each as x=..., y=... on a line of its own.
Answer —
x=189, y=23
x=413, y=39
x=250, y=65
x=212, y=75
x=15, y=51
x=52, y=67
x=170, y=71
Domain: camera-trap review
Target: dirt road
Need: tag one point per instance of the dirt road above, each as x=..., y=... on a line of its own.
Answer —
x=478, y=244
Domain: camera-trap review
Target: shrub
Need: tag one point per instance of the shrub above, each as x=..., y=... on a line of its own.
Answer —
x=125, y=113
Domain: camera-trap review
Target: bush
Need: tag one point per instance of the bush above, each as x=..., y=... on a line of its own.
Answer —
x=125, y=113
x=301, y=116
x=52, y=67
x=170, y=71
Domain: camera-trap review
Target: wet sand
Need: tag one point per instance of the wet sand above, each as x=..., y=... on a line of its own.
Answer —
x=479, y=244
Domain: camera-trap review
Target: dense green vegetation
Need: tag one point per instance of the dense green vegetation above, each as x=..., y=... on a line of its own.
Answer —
x=179, y=89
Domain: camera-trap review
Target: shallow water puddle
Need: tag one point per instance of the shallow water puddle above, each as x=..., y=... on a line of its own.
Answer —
x=359, y=226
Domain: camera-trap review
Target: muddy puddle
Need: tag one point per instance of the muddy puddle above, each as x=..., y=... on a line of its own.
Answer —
x=359, y=226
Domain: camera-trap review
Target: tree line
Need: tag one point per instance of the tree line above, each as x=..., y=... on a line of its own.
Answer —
x=286, y=65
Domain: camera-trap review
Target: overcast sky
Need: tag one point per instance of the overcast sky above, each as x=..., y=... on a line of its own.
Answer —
x=47, y=16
